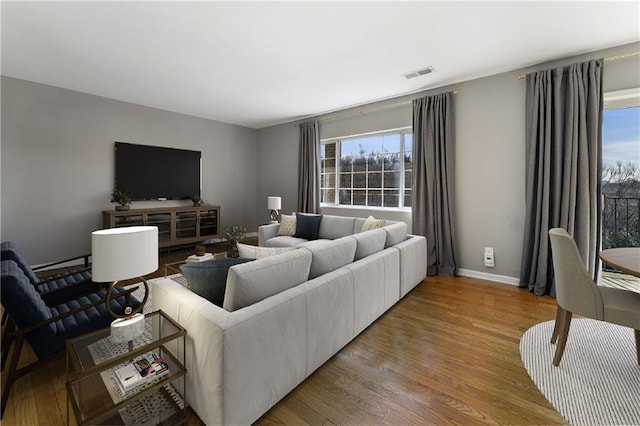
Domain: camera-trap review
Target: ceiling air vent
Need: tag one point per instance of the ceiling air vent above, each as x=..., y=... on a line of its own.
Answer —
x=418, y=73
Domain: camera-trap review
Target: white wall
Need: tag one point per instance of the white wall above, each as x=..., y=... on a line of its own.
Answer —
x=489, y=156
x=58, y=164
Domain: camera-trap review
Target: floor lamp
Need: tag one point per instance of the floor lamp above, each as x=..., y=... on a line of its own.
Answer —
x=122, y=254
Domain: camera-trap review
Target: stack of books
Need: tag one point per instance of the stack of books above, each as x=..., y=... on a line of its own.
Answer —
x=140, y=371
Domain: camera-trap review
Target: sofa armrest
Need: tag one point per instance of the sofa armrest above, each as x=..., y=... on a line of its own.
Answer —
x=413, y=262
x=266, y=232
x=270, y=336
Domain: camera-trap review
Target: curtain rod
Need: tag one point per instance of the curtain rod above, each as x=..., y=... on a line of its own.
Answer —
x=380, y=108
x=607, y=59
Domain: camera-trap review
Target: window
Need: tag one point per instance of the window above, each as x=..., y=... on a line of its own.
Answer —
x=621, y=169
x=372, y=170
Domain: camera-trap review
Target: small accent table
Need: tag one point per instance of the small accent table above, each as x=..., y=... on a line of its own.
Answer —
x=174, y=267
x=92, y=391
x=625, y=259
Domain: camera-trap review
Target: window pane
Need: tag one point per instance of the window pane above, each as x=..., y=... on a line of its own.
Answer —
x=374, y=145
x=359, y=180
x=374, y=198
x=407, y=198
x=408, y=183
x=391, y=198
x=345, y=180
x=345, y=164
x=375, y=163
x=392, y=143
x=359, y=164
x=375, y=180
x=391, y=180
x=359, y=198
x=408, y=143
x=345, y=196
x=327, y=195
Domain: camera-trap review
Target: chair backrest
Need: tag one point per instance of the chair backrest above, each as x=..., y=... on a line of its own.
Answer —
x=25, y=306
x=575, y=289
x=8, y=251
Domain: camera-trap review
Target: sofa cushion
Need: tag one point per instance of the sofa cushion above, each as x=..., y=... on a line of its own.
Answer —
x=329, y=255
x=396, y=233
x=307, y=226
x=248, y=251
x=284, y=241
x=333, y=227
x=369, y=242
x=372, y=223
x=287, y=225
x=209, y=278
x=251, y=282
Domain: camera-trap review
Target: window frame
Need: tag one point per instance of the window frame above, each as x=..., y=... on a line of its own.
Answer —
x=402, y=132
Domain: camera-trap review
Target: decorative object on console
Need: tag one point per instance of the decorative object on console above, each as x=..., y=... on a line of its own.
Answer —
x=200, y=250
x=274, y=204
x=121, y=254
x=122, y=197
x=197, y=201
x=233, y=233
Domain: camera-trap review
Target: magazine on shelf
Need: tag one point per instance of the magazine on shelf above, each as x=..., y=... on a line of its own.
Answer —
x=141, y=370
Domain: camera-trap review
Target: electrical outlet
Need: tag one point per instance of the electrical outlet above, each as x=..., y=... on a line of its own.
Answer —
x=488, y=257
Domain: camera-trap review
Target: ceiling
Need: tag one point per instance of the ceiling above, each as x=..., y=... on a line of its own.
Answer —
x=257, y=64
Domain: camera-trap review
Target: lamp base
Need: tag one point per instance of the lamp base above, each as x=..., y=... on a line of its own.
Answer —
x=126, y=329
x=274, y=216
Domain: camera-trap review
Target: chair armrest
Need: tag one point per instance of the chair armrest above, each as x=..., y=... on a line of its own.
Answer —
x=85, y=258
x=266, y=232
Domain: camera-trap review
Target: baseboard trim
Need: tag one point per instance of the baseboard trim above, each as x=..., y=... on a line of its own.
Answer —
x=504, y=279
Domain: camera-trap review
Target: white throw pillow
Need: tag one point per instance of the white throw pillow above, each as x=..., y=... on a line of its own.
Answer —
x=287, y=225
x=372, y=223
x=247, y=251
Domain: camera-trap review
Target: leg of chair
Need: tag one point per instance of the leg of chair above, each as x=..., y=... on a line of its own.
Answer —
x=12, y=373
x=7, y=340
x=556, y=326
x=565, y=323
x=637, y=333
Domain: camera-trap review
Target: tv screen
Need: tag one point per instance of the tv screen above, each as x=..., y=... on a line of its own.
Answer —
x=153, y=172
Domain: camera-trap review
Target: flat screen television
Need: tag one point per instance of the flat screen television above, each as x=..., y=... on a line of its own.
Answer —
x=153, y=172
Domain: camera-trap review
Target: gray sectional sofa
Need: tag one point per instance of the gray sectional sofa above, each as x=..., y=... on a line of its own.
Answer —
x=286, y=315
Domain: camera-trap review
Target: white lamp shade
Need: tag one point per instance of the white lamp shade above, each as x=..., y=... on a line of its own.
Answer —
x=274, y=203
x=123, y=253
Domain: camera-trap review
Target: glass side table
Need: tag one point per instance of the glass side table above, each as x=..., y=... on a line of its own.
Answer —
x=93, y=394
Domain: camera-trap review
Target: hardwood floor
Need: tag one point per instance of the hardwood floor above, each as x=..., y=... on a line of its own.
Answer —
x=448, y=353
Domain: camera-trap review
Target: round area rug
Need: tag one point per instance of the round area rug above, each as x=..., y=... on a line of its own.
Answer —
x=598, y=380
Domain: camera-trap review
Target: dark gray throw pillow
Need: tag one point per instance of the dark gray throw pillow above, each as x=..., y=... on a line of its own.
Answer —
x=209, y=278
x=307, y=226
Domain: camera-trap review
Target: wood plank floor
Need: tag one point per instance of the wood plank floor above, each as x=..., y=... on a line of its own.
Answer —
x=445, y=354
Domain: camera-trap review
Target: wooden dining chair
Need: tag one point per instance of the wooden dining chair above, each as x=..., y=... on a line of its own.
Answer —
x=577, y=293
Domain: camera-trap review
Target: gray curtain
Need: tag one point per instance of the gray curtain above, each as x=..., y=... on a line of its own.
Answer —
x=433, y=181
x=309, y=168
x=563, y=167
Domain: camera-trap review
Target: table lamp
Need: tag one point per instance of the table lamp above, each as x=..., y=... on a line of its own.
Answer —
x=122, y=254
x=274, y=204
